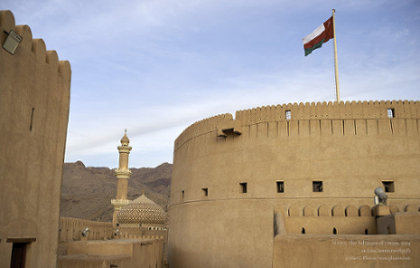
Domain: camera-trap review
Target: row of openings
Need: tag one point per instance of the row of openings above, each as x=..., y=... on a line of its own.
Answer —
x=390, y=112
x=334, y=231
x=317, y=186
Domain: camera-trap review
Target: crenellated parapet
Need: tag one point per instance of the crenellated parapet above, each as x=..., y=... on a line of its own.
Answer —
x=309, y=119
x=34, y=50
x=202, y=127
x=330, y=110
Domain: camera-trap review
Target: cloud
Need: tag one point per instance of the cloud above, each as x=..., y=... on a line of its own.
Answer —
x=157, y=66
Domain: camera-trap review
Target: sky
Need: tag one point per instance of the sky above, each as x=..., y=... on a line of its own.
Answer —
x=154, y=67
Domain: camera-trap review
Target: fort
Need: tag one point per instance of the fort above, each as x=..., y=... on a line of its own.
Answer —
x=277, y=186
x=295, y=169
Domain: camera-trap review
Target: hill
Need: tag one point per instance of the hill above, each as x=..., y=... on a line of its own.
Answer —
x=86, y=192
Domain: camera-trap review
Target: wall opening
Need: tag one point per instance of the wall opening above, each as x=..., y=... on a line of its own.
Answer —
x=334, y=231
x=389, y=186
x=391, y=112
x=182, y=194
x=275, y=225
x=317, y=186
x=280, y=186
x=32, y=118
x=366, y=231
x=288, y=115
x=18, y=255
x=243, y=186
x=205, y=191
x=303, y=231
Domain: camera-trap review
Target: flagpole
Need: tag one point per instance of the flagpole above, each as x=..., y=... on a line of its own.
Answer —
x=337, y=84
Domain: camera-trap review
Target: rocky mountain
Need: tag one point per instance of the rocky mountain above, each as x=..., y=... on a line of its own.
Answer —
x=86, y=192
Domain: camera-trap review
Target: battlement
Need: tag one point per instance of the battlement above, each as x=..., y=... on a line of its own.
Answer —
x=202, y=127
x=307, y=119
x=340, y=210
x=32, y=47
x=330, y=110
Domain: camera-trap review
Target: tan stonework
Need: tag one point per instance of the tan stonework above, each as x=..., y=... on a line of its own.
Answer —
x=34, y=110
x=238, y=183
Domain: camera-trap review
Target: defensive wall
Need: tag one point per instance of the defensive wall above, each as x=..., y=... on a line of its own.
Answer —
x=84, y=242
x=113, y=253
x=34, y=110
x=71, y=229
x=311, y=166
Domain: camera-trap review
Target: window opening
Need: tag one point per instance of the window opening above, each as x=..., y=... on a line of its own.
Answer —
x=243, y=187
x=303, y=231
x=391, y=112
x=366, y=231
x=334, y=231
x=317, y=186
x=288, y=114
x=182, y=194
x=205, y=191
x=280, y=186
x=389, y=186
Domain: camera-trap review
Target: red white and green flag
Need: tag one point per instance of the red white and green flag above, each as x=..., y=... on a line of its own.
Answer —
x=319, y=36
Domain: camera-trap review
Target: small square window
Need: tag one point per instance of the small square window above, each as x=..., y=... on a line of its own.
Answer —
x=317, y=186
x=205, y=191
x=243, y=187
x=288, y=114
x=389, y=186
x=391, y=112
x=280, y=186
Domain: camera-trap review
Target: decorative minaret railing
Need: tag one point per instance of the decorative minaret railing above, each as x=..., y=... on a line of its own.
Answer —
x=123, y=174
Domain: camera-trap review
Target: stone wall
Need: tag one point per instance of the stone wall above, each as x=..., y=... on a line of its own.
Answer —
x=346, y=251
x=227, y=175
x=71, y=229
x=113, y=253
x=34, y=110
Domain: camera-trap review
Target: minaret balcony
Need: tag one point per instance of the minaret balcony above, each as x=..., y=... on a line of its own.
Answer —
x=118, y=203
x=122, y=173
x=124, y=149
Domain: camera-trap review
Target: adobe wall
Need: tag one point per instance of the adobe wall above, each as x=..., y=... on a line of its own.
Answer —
x=70, y=229
x=346, y=251
x=34, y=110
x=351, y=147
x=113, y=253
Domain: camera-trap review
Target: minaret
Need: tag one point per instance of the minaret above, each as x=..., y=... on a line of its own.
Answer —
x=123, y=174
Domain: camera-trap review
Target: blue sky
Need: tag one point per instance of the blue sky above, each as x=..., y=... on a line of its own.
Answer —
x=157, y=66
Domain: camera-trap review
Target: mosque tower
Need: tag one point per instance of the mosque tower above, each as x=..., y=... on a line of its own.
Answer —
x=123, y=174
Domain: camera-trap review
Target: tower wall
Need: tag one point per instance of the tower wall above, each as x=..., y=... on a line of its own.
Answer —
x=351, y=148
x=34, y=110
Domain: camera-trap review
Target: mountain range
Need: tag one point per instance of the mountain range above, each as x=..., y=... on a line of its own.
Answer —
x=86, y=192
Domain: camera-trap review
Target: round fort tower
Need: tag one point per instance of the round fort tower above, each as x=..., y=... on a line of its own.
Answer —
x=288, y=169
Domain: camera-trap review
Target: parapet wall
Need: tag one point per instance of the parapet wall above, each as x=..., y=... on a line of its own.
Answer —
x=346, y=251
x=71, y=229
x=349, y=118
